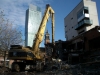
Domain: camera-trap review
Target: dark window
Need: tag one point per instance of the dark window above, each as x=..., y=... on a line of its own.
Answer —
x=86, y=11
x=17, y=54
x=71, y=18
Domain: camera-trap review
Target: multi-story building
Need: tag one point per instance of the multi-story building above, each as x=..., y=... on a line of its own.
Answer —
x=81, y=19
x=82, y=32
x=32, y=23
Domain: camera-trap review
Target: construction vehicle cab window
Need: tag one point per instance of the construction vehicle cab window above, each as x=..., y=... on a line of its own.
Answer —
x=32, y=56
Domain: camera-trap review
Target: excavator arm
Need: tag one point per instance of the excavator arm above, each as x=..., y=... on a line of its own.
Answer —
x=49, y=12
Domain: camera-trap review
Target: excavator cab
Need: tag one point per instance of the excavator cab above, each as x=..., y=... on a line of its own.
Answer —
x=17, y=52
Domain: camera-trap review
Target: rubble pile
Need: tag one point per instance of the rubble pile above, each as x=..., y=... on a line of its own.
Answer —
x=57, y=69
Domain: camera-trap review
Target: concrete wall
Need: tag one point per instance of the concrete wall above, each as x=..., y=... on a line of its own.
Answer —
x=92, y=13
x=70, y=21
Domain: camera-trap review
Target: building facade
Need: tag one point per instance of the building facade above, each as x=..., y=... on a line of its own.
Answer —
x=82, y=32
x=81, y=19
x=32, y=23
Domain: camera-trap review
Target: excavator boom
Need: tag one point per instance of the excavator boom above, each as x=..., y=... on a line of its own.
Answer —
x=49, y=12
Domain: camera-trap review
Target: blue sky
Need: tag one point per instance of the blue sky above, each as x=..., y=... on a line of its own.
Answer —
x=15, y=12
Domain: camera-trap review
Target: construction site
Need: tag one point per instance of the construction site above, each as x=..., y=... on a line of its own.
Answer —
x=78, y=55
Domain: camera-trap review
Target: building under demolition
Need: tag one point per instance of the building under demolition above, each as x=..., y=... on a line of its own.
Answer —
x=82, y=33
x=87, y=49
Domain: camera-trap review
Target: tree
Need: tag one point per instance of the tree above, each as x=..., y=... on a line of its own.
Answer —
x=9, y=34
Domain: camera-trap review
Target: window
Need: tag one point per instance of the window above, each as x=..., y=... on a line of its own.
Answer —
x=47, y=37
x=80, y=14
x=71, y=18
x=65, y=25
x=86, y=11
x=82, y=11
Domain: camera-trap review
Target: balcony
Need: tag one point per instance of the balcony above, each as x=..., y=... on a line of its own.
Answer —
x=83, y=16
x=83, y=23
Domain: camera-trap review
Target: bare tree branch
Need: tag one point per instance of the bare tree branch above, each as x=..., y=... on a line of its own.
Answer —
x=9, y=33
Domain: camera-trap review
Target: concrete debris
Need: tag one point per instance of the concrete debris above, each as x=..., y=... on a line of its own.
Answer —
x=64, y=69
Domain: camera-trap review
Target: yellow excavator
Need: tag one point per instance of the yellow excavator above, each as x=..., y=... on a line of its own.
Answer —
x=32, y=56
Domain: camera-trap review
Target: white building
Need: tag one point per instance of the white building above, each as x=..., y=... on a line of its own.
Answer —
x=81, y=19
x=32, y=23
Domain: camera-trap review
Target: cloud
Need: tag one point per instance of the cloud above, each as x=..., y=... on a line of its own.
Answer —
x=15, y=9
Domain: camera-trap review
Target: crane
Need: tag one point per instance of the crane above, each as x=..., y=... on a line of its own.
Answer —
x=23, y=56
